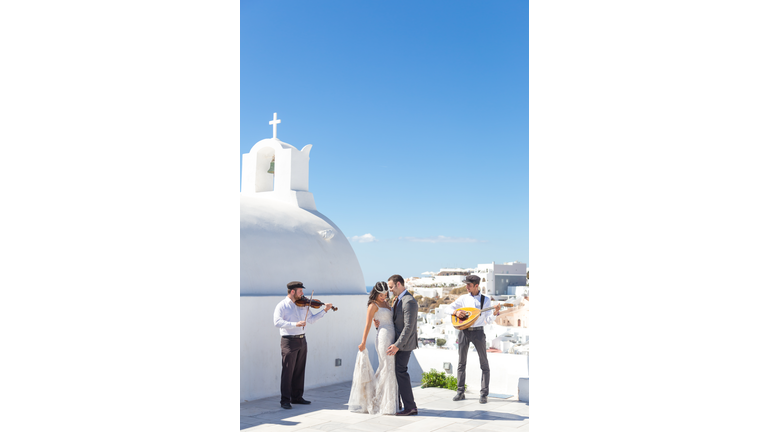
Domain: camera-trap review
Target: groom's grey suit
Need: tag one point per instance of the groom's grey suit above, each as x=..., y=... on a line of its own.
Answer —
x=404, y=315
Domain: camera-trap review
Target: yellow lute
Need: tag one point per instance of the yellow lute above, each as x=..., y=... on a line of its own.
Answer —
x=468, y=320
x=474, y=314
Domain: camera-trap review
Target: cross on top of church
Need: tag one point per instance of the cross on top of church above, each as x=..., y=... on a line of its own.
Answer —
x=274, y=123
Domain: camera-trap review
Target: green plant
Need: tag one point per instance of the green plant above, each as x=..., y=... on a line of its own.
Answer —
x=440, y=342
x=433, y=378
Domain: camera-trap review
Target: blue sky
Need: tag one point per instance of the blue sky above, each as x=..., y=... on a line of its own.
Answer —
x=418, y=117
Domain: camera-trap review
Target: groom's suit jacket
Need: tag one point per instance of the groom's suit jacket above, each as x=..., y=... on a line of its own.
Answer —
x=404, y=316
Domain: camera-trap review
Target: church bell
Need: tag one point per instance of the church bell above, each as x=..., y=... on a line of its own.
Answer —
x=272, y=166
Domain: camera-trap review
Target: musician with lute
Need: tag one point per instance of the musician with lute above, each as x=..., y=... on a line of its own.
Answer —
x=291, y=317
x=469, y=313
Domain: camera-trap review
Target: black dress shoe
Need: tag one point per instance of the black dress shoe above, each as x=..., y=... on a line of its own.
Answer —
x=408, y=412
x=483, y=399
x=300, y=401
x=459, y=396
x=286, y=405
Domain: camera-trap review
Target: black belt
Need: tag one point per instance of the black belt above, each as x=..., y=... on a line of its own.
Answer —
x=467, y=329
x=294, y=336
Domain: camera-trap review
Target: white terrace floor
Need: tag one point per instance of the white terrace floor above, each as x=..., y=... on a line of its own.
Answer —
x=437, y=412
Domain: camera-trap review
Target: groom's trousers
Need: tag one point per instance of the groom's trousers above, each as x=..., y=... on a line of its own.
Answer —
x=476, y=336
x=403, y=379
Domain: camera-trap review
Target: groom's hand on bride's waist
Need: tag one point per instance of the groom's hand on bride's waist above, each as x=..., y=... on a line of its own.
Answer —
x=392, y=350
x=375, y=321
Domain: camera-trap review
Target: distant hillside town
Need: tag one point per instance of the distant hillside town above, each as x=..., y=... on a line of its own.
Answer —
x=505, y=283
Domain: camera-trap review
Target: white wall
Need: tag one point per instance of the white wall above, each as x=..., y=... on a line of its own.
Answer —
x=336, y=335
x=506, y=369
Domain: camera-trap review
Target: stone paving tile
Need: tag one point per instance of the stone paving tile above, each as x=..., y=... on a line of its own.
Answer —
x=252, y=411
x=260, y=428
x=445, y=404
x=298, y=423
x=523, y=411
x=509, y=407
x=476, y=423
x=427, y=399
x=333, y=426
x=260, y=403
x=458, y=414
x=429, y=412
x=343, y=429
x=284, y=428
x=496, y=425
x=311, y=429
x=338, y=417
x=392, y=421
x=368, y=426
x=427, y=425
x=455, y=427
x=401, y=420
x=282, y=415
x=253, y=421
x=501, y=416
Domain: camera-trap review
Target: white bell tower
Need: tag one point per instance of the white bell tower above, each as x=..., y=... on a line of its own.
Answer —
x=287, y=180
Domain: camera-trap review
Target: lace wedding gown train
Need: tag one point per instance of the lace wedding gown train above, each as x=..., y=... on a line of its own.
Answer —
x=376, y=393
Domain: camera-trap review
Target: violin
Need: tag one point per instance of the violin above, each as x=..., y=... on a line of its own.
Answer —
x=314, y=303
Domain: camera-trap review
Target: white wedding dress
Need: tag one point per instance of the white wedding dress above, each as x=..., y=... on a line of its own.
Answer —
x=376, y=393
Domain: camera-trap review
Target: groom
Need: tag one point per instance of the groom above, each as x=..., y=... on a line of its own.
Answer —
x=404, y=314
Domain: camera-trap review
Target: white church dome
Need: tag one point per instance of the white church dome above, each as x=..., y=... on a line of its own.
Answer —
x=281, y=242
x=282, y=235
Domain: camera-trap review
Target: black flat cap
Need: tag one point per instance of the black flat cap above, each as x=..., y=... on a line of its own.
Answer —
x=472, y=279
x=295, y=285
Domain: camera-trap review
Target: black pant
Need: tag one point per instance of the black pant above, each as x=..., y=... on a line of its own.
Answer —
x=403, y=379
x=477, y=337
x=294, y=351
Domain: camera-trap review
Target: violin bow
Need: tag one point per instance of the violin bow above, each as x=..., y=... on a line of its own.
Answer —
x=308, y=306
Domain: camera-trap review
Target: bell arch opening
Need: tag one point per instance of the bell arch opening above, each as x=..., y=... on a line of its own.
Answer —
x=265, y=180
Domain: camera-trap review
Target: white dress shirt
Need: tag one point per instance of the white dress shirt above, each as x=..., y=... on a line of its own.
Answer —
x=287, y=315
x=467, y=300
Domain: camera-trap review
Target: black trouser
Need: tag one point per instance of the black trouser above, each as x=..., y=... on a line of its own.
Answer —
x=477, y=337
x=294, y=351
x=404, y=380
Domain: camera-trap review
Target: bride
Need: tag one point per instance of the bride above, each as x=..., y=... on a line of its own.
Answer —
x=376, y=394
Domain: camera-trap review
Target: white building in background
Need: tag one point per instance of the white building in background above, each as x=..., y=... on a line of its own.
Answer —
x=438, y=284
x=501, y=279
x=495, y=279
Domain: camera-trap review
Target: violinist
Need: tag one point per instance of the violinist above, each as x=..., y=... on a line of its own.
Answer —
x=292, y=319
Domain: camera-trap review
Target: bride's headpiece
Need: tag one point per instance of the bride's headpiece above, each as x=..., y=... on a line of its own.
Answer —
x=380, y=287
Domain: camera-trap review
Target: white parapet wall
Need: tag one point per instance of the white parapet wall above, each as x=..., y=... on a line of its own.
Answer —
x=335, y=336
x=506, y=369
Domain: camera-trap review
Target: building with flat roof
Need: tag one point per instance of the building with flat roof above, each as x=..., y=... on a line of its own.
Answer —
x=501, y=279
